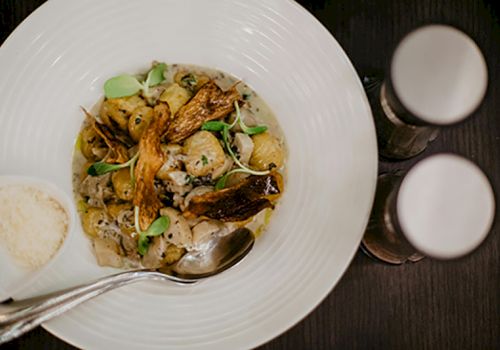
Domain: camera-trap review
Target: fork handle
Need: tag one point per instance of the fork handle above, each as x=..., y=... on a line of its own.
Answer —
x=14, y=324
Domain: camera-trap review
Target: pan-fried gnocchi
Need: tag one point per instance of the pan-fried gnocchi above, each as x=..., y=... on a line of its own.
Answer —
x=171, y=159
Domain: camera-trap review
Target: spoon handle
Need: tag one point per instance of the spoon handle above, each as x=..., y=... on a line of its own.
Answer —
x=16, y=323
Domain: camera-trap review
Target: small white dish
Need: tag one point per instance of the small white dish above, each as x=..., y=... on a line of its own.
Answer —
x=14, y=277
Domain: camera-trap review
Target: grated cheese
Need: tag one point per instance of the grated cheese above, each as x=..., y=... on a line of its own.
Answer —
x=33, y=225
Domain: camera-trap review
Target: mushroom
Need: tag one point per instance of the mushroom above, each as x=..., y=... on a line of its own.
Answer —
x=203, y=231
x=244, y=145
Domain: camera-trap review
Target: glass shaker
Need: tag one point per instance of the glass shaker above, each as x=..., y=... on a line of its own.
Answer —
x=443, y=207
x=437, y=77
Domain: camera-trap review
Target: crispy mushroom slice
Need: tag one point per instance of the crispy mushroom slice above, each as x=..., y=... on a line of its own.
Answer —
x=209, y=103
x=239, y=202
x=118, y=152
x=151, y=158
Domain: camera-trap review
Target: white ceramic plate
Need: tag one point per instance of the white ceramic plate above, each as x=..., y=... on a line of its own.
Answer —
x=58, y=60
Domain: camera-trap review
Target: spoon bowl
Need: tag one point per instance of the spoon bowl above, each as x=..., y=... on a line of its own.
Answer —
x=222, y=253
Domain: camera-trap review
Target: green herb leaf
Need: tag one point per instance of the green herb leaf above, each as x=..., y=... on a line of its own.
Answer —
x=247, y=130
x=155, y=75
x=214, y=125
x=225, y=139
x=101, y=168
x=204, y=159
x=143, y=244
x=159, y=226
x=121, y=86
x=221, y=183
x=253, y=130
x=224, y=128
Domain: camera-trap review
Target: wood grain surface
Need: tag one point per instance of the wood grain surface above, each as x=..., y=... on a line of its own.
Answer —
x=428, y=305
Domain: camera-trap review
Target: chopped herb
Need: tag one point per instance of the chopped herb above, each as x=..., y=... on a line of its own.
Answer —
x=189, y=179
x=246, y=96
x=204, y=159
x=189, y=80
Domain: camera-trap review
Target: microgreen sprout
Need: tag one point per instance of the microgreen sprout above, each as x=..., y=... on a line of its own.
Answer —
x=248, y=130
x=132, y=168
x=225, y=138
x=127, y=85
x=223, y=128
x=101, y=168
x=214, y=125
x=158, y=226
x=221, y=183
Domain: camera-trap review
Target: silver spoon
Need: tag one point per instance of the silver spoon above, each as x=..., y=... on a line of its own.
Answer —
x=221, y=254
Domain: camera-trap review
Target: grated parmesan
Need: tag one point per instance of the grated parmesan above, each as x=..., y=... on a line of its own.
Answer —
x=33, y=225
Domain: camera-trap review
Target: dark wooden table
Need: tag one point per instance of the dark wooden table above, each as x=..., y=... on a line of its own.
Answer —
x=428, y=305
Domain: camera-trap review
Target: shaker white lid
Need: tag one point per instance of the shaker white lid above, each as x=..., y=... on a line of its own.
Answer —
x=445, y=206
x=439, y=74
